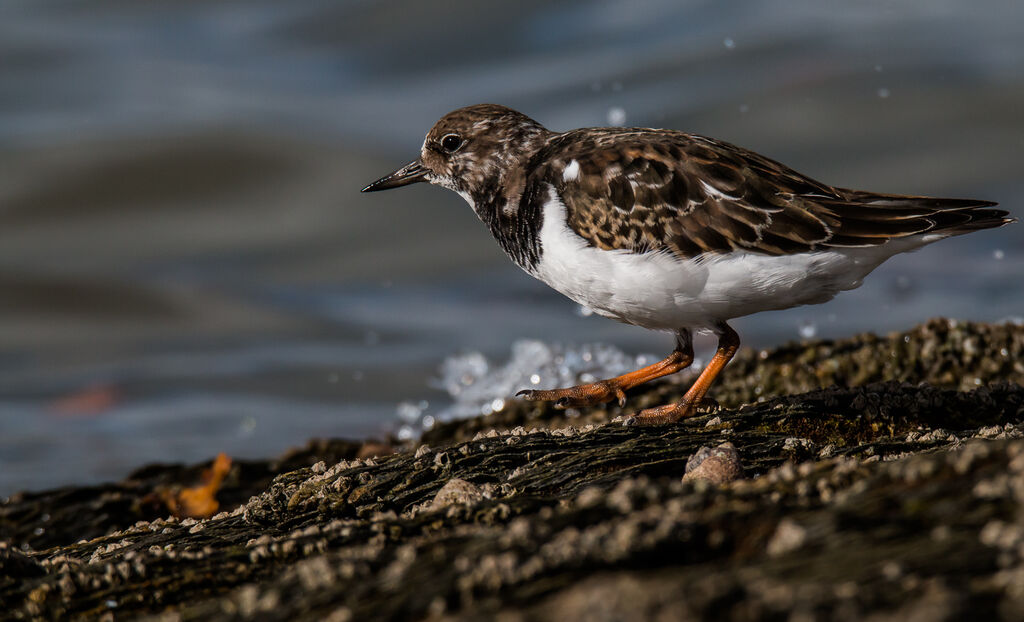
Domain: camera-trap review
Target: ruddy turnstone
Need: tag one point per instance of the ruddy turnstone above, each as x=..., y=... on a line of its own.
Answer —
x=669, y=231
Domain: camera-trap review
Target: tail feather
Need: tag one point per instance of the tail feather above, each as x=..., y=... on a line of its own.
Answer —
x=866, y=218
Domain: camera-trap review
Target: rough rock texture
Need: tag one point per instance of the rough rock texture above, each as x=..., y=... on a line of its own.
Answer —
x=898, y=496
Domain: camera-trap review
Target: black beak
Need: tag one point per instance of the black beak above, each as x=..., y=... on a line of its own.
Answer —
x=409, y=174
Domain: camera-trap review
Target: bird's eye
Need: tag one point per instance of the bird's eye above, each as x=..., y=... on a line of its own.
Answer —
x=451, y=143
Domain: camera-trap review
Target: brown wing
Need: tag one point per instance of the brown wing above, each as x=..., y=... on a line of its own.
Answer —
x=646, y=190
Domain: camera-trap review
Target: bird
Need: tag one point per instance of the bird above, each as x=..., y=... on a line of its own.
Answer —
x=669, y=231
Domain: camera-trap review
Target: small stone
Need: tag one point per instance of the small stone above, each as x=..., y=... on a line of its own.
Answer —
x=457, y=491
x=788, y=537
x=720, y=465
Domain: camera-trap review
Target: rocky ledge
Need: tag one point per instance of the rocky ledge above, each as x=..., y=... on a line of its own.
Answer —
x=895, y=493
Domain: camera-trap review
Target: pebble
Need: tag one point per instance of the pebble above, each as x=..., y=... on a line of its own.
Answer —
x=720, y=465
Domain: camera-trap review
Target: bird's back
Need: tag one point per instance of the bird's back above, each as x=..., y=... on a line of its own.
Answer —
x=648, y=190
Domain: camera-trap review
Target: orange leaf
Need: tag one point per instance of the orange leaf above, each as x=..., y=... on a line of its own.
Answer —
x=200, y=501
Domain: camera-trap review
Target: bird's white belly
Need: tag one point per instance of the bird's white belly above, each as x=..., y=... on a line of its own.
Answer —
x=661, y=291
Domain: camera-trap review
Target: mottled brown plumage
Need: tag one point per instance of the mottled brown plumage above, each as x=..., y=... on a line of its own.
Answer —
x=651, y=190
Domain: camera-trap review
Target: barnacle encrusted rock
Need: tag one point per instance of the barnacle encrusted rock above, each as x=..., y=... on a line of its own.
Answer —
x=900, y=494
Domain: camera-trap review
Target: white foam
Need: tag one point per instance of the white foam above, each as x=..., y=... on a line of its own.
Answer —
x=477, y=386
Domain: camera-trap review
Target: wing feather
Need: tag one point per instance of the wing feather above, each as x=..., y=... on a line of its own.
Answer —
x=658, y=190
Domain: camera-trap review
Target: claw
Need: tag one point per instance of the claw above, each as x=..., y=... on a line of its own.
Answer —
x=530, y=395
x=619, y=393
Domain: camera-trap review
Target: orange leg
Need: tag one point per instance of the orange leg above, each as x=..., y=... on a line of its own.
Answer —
x=615, y=388
x=728, y=343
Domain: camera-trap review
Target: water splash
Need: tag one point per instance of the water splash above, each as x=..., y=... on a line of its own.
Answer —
x=410, y=412
x=479, y=387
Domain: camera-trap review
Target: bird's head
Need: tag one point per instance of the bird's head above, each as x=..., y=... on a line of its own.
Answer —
x=471, y=151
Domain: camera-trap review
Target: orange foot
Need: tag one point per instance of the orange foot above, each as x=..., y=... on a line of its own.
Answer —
x=669, y=413
x=728, y=343
x=579, y=396
x=615, y=388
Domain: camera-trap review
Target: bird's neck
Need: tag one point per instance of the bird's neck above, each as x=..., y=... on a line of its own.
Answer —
x=514, y=223
x=501, y=202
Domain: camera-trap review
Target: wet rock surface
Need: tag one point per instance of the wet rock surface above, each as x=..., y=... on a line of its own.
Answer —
x=896, y=494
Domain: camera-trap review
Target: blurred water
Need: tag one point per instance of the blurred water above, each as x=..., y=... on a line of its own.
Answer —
x=187, y=266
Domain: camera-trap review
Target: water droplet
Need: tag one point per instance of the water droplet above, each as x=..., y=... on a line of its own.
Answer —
x=883, y=92
x=616, y=115
x=584, y=311
x=807, y=329
x=247, y=426
x=498, y=405
x=428, y=422
x=38, y=531
x=408, y=412
x=729, y=43
x=535, y=379
x=998, y=254
x=405, y=433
